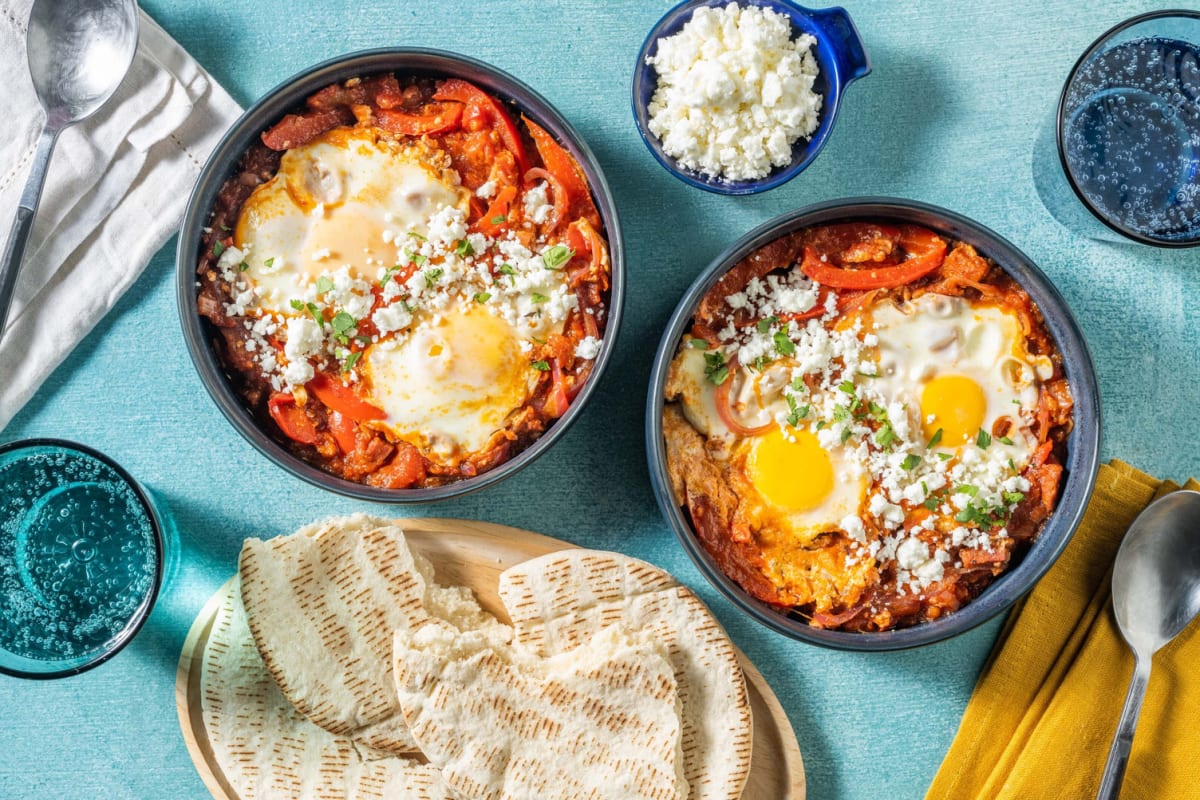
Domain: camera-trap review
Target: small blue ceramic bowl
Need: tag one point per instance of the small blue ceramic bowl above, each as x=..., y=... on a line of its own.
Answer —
x=840, y=54
x=288, y=97
x=1083, y=445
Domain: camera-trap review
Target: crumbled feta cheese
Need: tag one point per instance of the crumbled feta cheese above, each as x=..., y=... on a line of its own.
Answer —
x=588, y=348
x=734, y=91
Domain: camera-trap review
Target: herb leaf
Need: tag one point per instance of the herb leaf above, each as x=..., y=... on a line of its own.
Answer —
x=783, y=344
x=482, y=297
x=351, y=360
x=541, y=366
x=911, y=462
x=432, y=276
x=715, y=367
x=218, y=248
x=764, y=324
x=324, y=284
x=539, y=298
x=698, y=344
x=935, y=440
x=983, y=439
x=464, y=249
x=556, y=256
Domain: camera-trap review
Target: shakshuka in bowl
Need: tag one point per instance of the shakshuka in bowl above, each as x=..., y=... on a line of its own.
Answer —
x=400, y=275
x=873, y=424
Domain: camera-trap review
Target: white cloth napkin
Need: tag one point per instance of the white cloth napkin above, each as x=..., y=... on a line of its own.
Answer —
x=115, y=192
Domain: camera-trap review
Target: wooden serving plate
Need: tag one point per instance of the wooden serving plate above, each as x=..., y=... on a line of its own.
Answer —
x=474, y=554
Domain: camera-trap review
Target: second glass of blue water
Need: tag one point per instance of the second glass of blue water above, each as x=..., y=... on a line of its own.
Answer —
x=1122, y=159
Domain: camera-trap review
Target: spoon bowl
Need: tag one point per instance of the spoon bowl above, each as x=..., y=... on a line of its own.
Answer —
x=79, y=52
x=1156, y=593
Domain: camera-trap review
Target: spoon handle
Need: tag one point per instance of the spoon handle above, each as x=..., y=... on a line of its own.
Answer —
x=1118, y=754
x=14, y=251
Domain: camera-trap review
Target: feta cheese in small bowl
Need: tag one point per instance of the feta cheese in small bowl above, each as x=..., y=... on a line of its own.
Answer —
x=739, y=97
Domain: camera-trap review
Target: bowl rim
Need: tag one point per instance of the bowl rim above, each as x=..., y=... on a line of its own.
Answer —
x=643, y=77
x=1083, y=444
x=269, y=108
x=142, y=613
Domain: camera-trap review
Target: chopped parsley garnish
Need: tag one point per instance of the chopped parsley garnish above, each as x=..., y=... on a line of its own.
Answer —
x=760, y=362
x=885, y=437
x=270, y=262
x=798, y=384
x=389, y=273
x=975, y=515
x=482, y=297
x=556, y=256
x=783, y=344
x=507, y=269
x=432, y=276
x=715, y=368
x=351, y=360
x=1012, y=498
x=415, y=258
x=464, y=249
x=324, y=284
x=417, y=236
x=797, y=412
x=1004, y=440
x=499, y=220
x=539, y=298
x=911, y=462
x=967, y=489
x=846, y=386
x=877, y=411
x=840, y=413
x=931, y=503
x=983, y=439
x=698, y=344
x=845, y=434
x=945, y=456
x=218, y=248
x=225, y=228
x=342, y=323
x=764, y=325
x=312, y=309
x=541, y=366
x=935, y=440
x=821, y=424
x=242, y=267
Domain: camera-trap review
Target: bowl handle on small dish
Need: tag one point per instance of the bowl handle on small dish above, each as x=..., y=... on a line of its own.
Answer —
x=853, y=62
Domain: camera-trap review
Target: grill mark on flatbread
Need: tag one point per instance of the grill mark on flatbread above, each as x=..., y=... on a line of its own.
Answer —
x=560, y=601
x=599, y=724
x=266, y=750
x=322, y=610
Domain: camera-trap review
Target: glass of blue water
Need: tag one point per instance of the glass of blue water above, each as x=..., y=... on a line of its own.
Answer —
x=81, y=558
x=1121, y=160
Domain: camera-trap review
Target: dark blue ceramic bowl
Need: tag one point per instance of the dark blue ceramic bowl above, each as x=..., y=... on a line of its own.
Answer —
x=286, y=98
x=1083, y=445
x=840, y=54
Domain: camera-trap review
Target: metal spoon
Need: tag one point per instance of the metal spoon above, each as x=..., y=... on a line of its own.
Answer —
x=79, y=50
x=1156, y=593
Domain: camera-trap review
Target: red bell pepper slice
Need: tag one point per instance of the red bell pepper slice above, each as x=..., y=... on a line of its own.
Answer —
x=442, y=119
x=563, y=166
x=902, y=274
x=464, y=92
x=291, y=419
x=345, y=431
x=498, y=210
x=343, y=399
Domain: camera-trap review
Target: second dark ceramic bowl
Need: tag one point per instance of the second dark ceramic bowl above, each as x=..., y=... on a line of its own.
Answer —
x=1083, y=444
x=288, y=97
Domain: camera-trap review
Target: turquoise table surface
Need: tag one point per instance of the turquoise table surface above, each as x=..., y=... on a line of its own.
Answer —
x=948, y=116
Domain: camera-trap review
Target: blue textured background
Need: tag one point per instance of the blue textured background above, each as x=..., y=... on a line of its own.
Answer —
x=948, y=116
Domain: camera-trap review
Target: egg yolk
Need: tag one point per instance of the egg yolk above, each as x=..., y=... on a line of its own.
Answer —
x=796, y=475
x=954, y=404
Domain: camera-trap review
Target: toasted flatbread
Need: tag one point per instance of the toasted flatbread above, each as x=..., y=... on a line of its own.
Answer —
x=599, y=722
x=562, y=600
x=267, y=750
x=322, y=606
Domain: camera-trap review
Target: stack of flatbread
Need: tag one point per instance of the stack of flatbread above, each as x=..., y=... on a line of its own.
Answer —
x=341, y=668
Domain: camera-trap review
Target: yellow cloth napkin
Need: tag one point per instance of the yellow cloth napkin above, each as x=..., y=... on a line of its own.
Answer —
x=1046, y=706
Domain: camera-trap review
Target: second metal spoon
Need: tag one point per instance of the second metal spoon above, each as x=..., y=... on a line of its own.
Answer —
x=1156, y=593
